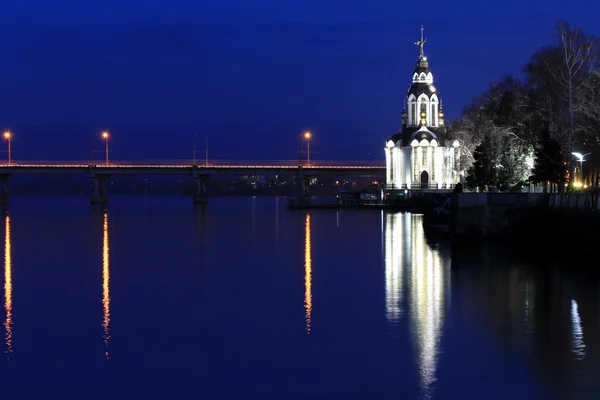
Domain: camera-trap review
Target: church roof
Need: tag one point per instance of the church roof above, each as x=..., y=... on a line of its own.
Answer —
x=419, y=88
x=422, y=64
x=407, y=135
x=423, y=133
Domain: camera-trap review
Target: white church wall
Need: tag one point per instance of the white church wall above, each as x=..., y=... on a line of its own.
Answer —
x=399, y=165
x=406, y=165
x=439, y=164
x=388, y=170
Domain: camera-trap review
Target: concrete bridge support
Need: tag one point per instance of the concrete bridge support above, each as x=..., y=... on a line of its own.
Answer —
x=4, y=189
x=304, y=181
x=304, y=196
x=200, y=196
x=99, y=196
x=305, y=186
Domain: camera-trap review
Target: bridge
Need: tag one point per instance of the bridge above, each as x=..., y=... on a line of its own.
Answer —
x=100, y=172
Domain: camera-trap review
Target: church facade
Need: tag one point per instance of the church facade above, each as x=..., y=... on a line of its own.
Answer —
x=419, y=156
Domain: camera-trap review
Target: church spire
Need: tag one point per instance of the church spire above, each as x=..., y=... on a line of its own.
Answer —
x=420, y=43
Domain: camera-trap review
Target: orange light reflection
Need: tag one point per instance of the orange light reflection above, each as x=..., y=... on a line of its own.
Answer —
x=106, y=284
x=8, y=285
x=307, y=275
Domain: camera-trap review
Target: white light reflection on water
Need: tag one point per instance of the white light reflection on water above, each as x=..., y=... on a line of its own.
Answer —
x=415, y=275
x=578, y=346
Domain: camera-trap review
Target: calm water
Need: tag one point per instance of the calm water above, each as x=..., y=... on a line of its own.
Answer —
x=249, y=300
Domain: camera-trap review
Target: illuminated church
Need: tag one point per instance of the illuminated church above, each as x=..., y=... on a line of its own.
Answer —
x=419, y=157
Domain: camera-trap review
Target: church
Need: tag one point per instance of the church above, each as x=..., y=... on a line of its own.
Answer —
x=419, y=156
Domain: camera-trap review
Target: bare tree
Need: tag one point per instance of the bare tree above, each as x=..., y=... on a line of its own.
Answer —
x=578, y=54
x=494, y=114
x=589, y=105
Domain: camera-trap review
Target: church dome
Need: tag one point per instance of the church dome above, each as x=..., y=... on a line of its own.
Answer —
x=423, y=133
x=419, y=88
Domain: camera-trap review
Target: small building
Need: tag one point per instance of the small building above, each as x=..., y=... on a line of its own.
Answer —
x=419, y=156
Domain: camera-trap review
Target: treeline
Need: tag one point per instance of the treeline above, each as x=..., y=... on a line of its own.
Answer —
x=525, y=130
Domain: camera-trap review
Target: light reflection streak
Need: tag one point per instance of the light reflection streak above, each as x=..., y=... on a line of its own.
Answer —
x=529, y=311
x=393, y=267
x=8, y=285
x=254, y=214
x=414, y=270
x=106, y=283
x=277, y=219
x=307, y=274
x=578, y=346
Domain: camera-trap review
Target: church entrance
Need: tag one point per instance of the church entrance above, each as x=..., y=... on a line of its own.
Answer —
x=424, y=179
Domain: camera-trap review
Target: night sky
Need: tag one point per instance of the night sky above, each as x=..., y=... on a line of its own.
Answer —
x=252, y=75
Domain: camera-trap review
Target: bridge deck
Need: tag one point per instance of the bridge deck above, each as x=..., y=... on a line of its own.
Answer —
x=212, y=168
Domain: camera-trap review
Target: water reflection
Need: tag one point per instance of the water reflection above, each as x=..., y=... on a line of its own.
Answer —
x=577, y=332
x=307, y=274
x=415, y=288
x=201, y=214
x=253, y=214
x=106, y=283
x=534, y=304
x=277, y=219
x=8, y=285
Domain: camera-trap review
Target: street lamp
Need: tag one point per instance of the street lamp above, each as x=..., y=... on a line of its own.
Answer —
x=8, y=137
x=307, y=136
x=581, y=159
x=205, y=148
x=105, y=136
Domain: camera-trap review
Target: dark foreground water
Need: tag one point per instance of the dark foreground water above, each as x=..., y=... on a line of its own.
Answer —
x=244, y=299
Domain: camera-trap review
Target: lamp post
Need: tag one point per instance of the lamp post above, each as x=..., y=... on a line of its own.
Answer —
x=307, y=136
x=105, y=136
x=581, y=159
x=205, y=148
x=299, y=150
x=8, y=137
x=194, y=161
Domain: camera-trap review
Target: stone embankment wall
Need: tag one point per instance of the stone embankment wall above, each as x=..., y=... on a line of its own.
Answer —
x=492, y=215
x=527, y=217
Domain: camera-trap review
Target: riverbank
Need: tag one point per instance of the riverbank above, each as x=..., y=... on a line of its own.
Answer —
x=523, y=219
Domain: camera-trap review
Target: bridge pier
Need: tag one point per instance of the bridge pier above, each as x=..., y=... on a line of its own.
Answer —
x=305, y=185
x=4, y=189
x=99, y=196
x=200, y=196
x=304, y=196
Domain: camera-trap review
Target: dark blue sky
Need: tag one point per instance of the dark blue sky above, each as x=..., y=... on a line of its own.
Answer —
x=250, y=74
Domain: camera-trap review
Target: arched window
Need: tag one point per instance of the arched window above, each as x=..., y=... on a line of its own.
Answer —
x=433, y=111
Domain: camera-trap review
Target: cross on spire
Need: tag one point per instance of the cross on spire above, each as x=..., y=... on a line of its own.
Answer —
x=420, y=43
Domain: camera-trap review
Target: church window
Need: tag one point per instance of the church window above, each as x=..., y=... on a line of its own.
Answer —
x=433, y=115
